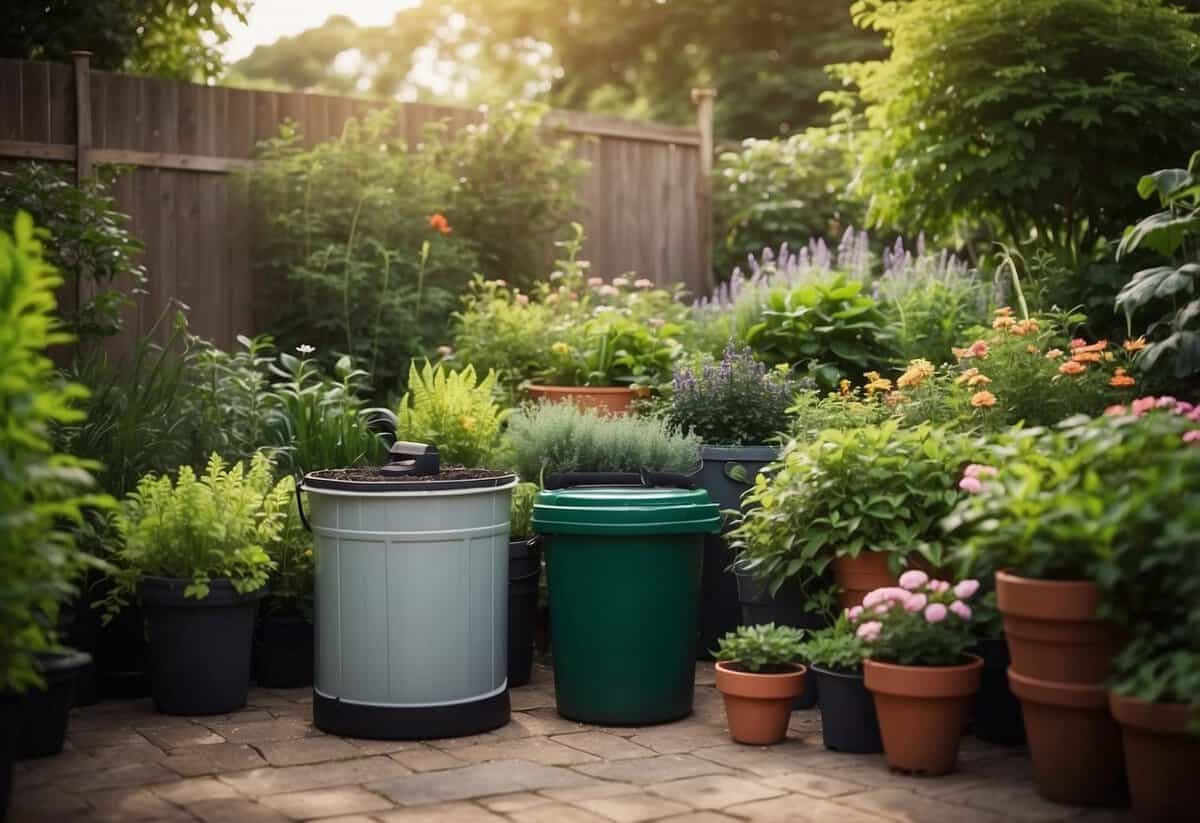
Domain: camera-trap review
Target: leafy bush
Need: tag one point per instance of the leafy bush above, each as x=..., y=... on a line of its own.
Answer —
x=921, y=622
x=1032, y=115
x=1171, y=291
x=736, y=403
x=453, y=410
x=501, y=330
x=609, y=349
x=553, y=438
x=835, y=648
x=291, y=579
x=812, y=412
x=874, y=488
x=215, y=526
x=521, y=520
x=829, y=327
x=767, y=648
x=42, y=492
x=92, y=249
x=773, y=190
x=232, y=396
x=1156, y=673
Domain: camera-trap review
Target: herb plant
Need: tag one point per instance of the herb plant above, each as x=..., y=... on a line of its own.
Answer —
x=454, y=410
x=291, y=578
x=921, y=622
x=737, y=402
x=835, y=648
x=766, y=648
x=521, y=519
x=1151, y=670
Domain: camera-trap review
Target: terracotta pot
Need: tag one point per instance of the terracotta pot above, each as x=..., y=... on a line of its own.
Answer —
x=1052, y=630
x=1073, y=741
x=606, y=399
x=1161, y=756
x=857, y=576
x=922, y=712
x=759, y=705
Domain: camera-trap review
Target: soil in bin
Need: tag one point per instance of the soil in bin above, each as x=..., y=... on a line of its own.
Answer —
x=373, y=474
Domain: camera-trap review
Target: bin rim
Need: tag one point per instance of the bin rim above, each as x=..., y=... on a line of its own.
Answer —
x=424, y=488
x=625, y=511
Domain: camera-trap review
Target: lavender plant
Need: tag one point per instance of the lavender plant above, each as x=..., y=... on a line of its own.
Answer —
x=736, y=402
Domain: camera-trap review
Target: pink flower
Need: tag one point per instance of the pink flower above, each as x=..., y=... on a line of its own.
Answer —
x=643, y=283
x=523, y=299
x=971, y=485
x=935, y=613
x=979, y=470
x=869, y=631
x=1165, y=400
x=1078, y=343
x=854, y=613
x=882, y=608
x=656, y=322
x=938, y=586
x=595, y=281
x=1184, y=407
x=913, y=579
x=1115, y=411
x=609, y=291
x=873, y=598
x=1192, y=436
x=1143, y=405
x=965, y=589
x=961, y=609
x=500, y=282
x=916, y=602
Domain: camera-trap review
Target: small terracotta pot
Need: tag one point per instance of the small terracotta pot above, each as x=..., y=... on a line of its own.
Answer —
x=1161, y=757
x=922, y=712
x=606, y=399
x=1052, y=629
x=759, y=705
x=857, y=576
x=1073, y=742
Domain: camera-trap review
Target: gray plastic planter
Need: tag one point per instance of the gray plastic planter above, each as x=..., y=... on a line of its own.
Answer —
x=411, y=606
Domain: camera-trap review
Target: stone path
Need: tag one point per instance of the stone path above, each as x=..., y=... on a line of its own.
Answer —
x=267, y=764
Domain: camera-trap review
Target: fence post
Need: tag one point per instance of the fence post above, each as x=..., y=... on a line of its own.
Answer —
x=703, y=100
x=83, y=114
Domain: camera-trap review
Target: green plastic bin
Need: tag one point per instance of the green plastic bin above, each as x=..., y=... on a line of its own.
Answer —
x=623, y=567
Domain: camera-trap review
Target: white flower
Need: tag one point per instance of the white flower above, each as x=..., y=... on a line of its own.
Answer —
x=304, y=348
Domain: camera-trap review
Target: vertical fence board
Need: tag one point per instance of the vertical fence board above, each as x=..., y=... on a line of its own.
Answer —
x=11, y=113
x=35, y=102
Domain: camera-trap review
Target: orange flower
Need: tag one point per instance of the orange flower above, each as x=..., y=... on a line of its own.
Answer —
x=1054, y=354
x=1133, y=346
x=1121, y=380
x=1024, y=327
x=983, y=399
x=1003, y=322
x=440, y=224
x=1072, y=367
x=973, y=378
x=977, y=349
x=1003, y=312
x=1082, y=356
x=1080, y=346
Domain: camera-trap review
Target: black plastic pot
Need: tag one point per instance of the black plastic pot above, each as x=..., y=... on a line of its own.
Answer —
x=285, y=652
x=728, y=472
x=10, y=729
x=81, y=631
x=758, y=607
x=48, y=711
x=997, y=716
x=524, y=570
x=120, y=657
x=848, y=721
x=199, y=649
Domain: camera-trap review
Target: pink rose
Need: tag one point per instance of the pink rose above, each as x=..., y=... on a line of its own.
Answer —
x=938, y=586
x=854, y=613
x=1184, y=407
x=869, y=631
x=609, y=291
x=961, y=609
x=643, y=283
x=971, y=485
x=913, y=579
x=1165, y=400
x=1143, y=405
x=1192, y=436
x=965, y=589
x=979, y=470
x=1115, y=411
x=935, y=613
x=523, y=299
x=915, y=603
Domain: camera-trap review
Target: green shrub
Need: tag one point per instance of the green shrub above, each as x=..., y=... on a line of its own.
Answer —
x=1150, y=669
x=454, y=410
x=553, y=438
x=232, y=395
x=42, y=492
x=501, y=330
x=737, y=402
x=215, y=526
x=835, y=648
x=521, y=520
x=291, y=579
x=766, y=648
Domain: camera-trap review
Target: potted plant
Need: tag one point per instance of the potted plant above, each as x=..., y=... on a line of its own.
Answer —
x=194, y=553
x=860, y=502
x=42, y=493
x=285, y=632
x=848, y=721
x=759, y=678
x=918, y=668
x=524, y=574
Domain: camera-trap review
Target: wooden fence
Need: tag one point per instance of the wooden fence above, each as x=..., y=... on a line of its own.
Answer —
x=645, y=198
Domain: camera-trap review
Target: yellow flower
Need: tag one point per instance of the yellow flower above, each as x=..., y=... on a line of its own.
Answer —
x=877, y=383
x=1134, y=346
x=844, y=388
x=467, y=422
x=983, y=399
x=561, y=348
x=1121, y=380
x=918, y=372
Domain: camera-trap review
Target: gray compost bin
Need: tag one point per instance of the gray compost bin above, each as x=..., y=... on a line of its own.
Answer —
x=411, y=598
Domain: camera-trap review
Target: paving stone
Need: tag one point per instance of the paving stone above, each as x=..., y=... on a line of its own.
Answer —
x=426, y=759
x=531, y=697
x=45, y=804
x=177, y=737
x=539, y=722
x=451, y=743
x=370, y=747
x=144, y=752
x=505, y=803
x=796, y=808
x=216, y=759
x=682, y=737
x=534, y=749
x=307, y=750
x=132, y=804
x=814, y=785
x=633, y=808
x=315, y=803
x=605, y=746
x=242, y=716
x=263, y=731
x=908, y=807
x=442, y=813
x=701, y=817
x=715, y=791
x=122, y=775
x=235, y=811
x=556, y=813
x=652, y=769
x=194, y=790
x=104, y=737
x=482, y=780
x=276, y=780
x=1018, y=800
x=766, y=761
x=32, y=773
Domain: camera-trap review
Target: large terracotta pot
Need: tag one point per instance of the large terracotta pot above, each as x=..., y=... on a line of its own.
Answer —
x=606, y=399
x=1052, y=629
x=1073, y=742
x=759, y=705
x=857, y=576
x=922, y=712
x=1161, y=757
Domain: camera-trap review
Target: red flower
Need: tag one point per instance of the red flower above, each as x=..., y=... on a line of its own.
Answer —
x=440, y=224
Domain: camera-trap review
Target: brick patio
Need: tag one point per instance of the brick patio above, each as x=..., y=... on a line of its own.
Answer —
x=124, y=762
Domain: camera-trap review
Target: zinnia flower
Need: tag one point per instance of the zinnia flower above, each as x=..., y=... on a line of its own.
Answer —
x=561, y=348
x=935, y=613
x=917, y=373
x=983, y=399
x=1082, y=356
x=1134, y=346
x=979, y=470
x=1192, y=436
x=913, y=579
x=1121, y=380
x=1072, y=367
x=1143, y=405
x=961, y=609
x=1003, y=311
x=965, y=589
x=1098, y=346
x=1115, y=411
x=440, y=224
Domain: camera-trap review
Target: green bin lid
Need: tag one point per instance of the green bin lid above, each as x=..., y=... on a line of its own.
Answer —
x=625, y=510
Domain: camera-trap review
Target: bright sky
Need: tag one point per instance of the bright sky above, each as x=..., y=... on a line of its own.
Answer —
x=269, y=20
